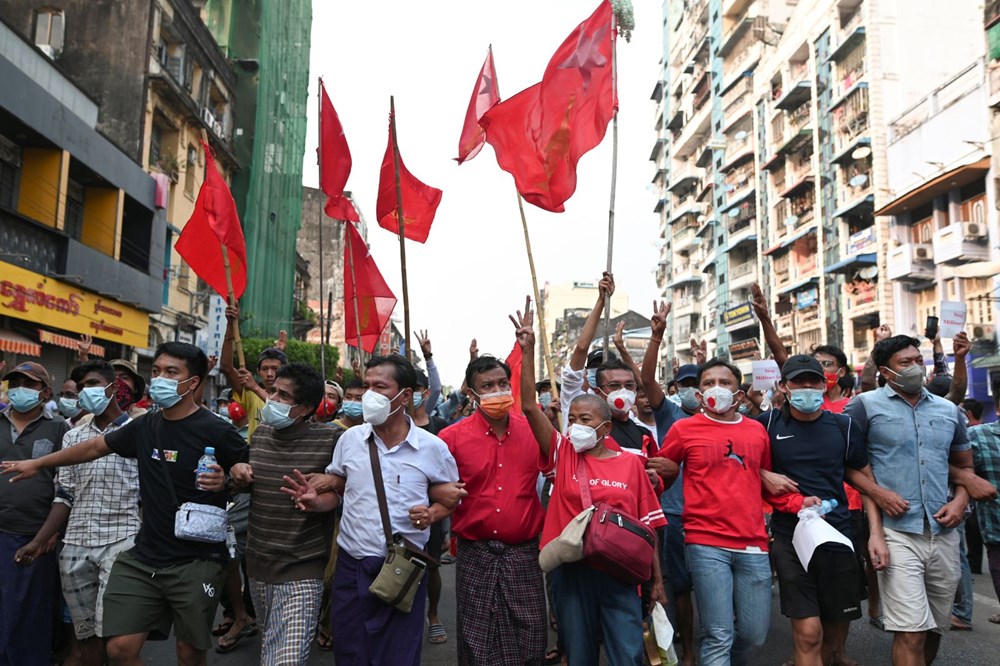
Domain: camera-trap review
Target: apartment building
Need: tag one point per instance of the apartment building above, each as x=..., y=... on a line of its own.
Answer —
x=771, y=159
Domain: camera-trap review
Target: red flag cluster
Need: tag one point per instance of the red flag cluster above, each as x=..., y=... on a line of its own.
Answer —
x=364, y=284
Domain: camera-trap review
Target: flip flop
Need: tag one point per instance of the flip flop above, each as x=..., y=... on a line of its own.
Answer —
x=436, y=634
x=959, y=625
x=877, y=622
x=324, y=641
x=227, y=643
x=995, y=618
x=223, y=627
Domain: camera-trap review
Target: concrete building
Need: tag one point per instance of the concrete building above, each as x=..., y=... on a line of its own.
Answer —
x=81, y=230
x=771, y=159
x=567, y=300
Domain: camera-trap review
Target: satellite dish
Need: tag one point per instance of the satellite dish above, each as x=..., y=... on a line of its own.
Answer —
x=741, y=135
x=868, y=273
x=734, y=212
x=858, y=180
x=742, y=180
x=791, y=220
x=861, y=153
x=701, y=219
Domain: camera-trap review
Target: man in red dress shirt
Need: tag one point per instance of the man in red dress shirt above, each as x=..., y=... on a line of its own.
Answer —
x=500, y=592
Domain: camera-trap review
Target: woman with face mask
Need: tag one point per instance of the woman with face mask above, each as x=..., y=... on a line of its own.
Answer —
x=584, y=596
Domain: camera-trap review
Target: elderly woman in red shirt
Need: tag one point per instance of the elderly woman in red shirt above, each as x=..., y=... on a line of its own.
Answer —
x=590, y=604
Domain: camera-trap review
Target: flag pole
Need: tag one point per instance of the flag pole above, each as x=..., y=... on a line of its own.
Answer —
x=322, y=283
x=538, y=304
x=237, y=342
x=402, y=228
x=354, y=298
x=614, y=175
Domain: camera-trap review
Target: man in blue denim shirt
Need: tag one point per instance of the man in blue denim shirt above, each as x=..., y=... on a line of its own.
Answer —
x=913, y=437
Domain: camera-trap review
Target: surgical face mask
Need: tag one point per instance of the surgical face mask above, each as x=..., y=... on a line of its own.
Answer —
x=69, y=407
x=275, y=414
x=676, y=399
x=689, y=398
x=496, y=405
x=545, y=400
x=352, y=409
x=621, y=401
x=806, y=400
x=583, y=437
x=418, y=399
x=718, y=399
x=743, y=409
x=24, y=399
x=592, y=377
x=163, y=392
x=376, y=408
x=95, y=399
x=910, y=380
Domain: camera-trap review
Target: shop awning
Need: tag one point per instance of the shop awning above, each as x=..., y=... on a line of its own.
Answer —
x=49, y=338
x=15, y=343
x=864, y=259
x=935, y=187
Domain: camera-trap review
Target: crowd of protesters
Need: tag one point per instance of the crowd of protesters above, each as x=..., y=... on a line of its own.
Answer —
x=316, y=483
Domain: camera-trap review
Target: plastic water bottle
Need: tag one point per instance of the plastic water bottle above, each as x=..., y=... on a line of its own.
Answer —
x=203, y=465
x=817, y=510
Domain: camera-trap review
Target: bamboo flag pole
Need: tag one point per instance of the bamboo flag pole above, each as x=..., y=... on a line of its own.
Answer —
x=322, y=283
x=357, y=319
x=402, y=227
x=237, y=342
x=538, y=304
x=614, y=176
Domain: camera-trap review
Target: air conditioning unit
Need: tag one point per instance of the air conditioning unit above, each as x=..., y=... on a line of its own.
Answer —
x=207, y=116
x=983, y=332
x=923, y=252
x=974, y=229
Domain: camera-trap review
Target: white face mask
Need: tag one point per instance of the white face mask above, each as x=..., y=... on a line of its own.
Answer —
x=621, y=401
x=718, y=399
x=583, y=437
x=376, y=408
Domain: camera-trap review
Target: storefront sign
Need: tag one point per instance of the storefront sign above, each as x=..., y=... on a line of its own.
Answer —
x=806, y=298
x=54, y=304
x=862, y=241
x=737, y=315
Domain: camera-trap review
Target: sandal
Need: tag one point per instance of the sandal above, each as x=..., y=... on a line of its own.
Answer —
x=227, y=643
x=324, y=641
x=995, y=618
x=877, y=622
x=223, y=627
x=436, y=634
x=553, y=656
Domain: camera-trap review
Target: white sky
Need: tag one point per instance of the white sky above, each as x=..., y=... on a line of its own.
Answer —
x=473, y=270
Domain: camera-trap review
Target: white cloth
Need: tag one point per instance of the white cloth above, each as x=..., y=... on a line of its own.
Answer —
x=572, y=386
x=408, y=470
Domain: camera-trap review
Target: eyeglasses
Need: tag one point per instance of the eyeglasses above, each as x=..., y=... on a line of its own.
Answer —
x=615, y=386
x=828, y=364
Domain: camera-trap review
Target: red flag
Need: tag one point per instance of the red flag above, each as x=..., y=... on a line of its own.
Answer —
x=420, y=201
x=214, y=223
x=514, y=361
x=374, y=298
x=334, y=161
x=484, y=96
x=541, y=133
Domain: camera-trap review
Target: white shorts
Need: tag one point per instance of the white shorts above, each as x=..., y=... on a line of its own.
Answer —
x=84, y=575
x=918, y=587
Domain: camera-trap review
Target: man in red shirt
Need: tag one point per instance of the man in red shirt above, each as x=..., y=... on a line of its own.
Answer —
x=499, y=587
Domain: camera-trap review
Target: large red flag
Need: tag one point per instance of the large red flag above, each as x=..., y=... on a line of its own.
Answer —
x=420, y=201
x=374, y=298
x=484, y=97
x=214, y=223
x=334, y=161
x=541, y=133
x=514, y=362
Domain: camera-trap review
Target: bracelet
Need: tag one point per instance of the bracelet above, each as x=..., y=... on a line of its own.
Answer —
x=656, y=339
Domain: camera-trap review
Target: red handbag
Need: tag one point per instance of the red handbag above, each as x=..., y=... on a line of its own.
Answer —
x=615, y=542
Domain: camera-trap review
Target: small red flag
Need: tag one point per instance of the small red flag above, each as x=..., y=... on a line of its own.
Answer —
x=334, y=161
x=514, y=362
x=374, y=298
x=541, y=133
x=420, y=201
x=484, y=97
x=215, y=223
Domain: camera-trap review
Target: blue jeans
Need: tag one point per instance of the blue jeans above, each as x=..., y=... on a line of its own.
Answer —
x=591, y=605
x=733, y=592
x=963, y=596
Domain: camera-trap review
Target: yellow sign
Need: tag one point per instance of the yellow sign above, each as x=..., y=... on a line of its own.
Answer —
x=49, y=302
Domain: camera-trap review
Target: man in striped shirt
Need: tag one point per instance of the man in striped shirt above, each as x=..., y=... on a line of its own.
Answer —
x=287, y=549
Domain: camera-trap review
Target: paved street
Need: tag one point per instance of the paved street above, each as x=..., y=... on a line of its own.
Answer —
x=869, y=646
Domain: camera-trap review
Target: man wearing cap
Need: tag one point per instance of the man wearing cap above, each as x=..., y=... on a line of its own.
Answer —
x=28, y=569
x=333, y=397
x=817, y=449
x=222, y=404
x=246, y=390
x=131, y=387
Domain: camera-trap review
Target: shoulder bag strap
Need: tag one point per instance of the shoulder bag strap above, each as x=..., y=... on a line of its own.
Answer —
x=584, y=480
x=383, y=507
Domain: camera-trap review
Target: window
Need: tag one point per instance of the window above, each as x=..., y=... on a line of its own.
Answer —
x=190, y=170
x=923, y=230
x=49, y=31
x=73, y=222
x=155, y=145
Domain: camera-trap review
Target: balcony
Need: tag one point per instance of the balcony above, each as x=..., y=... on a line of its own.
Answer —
x=685, y=273
x=686, y=306
x=686, y=206
x=742, y=275
x=850, y=117
x=911, y=262
x=736, y=100
x=693, y=133
x=961, y=242
x=797, y=95
x=684, y=176
x=683, y=238
x=784, y=326
x=808, y=319
x=848, y=38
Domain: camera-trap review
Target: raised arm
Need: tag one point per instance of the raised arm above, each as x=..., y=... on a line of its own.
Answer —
x=774, y=343
x=869, y=374
x=960, y=378
x=605, y=289
x=623, y=351
x=541, y=427
x=433, y=376
x=226, y=360
x=647, y=375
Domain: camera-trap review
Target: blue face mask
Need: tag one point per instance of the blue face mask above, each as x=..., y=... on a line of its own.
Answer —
x=69, y=407
x=275, y=414
x=689, y=398
x=352, y=409
x=744, y=408
x=24, y=399
x=418, y=399
x=164, y=393
x=545, y=400
x=806, y=400
x=592, y=377
x=95, y=399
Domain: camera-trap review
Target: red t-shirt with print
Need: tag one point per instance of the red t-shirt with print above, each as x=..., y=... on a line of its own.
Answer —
x=621, y=481
x=722, y=491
